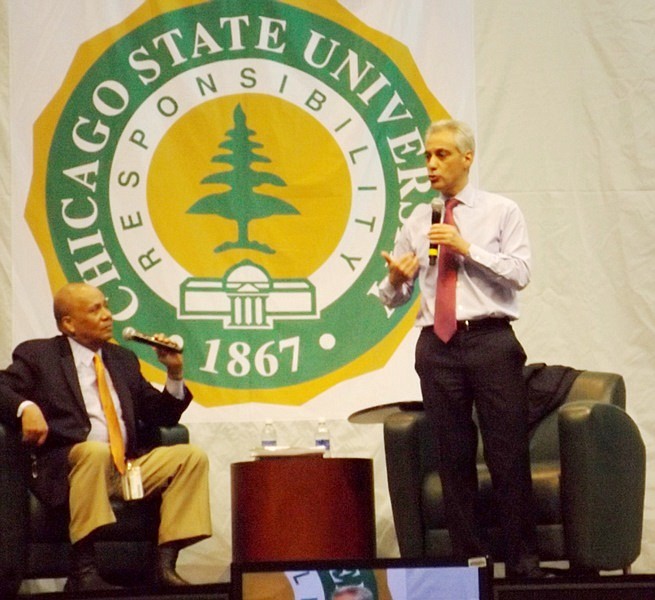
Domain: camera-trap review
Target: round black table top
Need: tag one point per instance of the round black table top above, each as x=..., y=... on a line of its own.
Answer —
x=378, y=414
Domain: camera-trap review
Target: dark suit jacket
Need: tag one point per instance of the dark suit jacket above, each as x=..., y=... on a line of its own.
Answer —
x=548, y=386
x=44, y=371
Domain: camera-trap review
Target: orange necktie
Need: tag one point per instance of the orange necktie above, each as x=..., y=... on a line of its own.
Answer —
x=445, y=321
x=116, y=442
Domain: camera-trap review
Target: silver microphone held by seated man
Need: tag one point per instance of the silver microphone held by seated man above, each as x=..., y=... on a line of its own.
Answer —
x=176, y=343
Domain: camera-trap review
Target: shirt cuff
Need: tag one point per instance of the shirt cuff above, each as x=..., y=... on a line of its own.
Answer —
x=175, y=387
x=393, y=297
x=479, y=255
x=22, y=406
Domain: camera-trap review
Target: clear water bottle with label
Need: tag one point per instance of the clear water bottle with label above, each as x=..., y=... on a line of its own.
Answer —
x=322, y=437
x=269, y=435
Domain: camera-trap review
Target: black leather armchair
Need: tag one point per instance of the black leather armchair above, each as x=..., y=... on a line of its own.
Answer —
x=588, y=470
x=34, y=541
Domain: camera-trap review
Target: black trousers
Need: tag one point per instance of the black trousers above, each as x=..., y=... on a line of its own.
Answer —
x=483, y=368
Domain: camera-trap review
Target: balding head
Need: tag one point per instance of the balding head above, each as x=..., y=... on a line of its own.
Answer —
x=65, y=298
x=81, y=312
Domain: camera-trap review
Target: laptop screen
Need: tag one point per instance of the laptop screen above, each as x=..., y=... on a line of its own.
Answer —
x=382, y=579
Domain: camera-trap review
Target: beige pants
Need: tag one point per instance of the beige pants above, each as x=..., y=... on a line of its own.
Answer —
x=179, y=473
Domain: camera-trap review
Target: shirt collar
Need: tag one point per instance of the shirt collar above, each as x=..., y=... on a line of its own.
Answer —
x=81, y=354
x=466, y=195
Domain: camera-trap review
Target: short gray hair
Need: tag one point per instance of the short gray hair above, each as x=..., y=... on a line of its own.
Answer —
x=357, y=591
x=464, y=138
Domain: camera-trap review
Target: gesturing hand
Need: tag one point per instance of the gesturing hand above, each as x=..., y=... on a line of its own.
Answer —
x=402, y=269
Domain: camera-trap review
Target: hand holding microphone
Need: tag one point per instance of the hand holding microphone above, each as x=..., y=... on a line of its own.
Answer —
x=174, y=343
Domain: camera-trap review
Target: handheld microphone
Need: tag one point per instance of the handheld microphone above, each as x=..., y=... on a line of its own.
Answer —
x=176, y=343
x=437, y=210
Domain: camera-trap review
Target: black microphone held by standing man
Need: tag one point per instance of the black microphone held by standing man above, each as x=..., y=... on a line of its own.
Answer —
x=437, y=211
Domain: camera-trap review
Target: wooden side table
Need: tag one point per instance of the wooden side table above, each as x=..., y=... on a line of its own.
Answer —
x=302, y=508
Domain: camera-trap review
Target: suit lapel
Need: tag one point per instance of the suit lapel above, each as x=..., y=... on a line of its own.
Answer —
x=70, y=372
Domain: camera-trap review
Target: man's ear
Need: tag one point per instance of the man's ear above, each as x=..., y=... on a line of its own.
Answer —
x=66, y=326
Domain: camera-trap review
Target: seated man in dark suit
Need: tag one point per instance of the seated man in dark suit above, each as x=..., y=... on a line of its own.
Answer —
x=77, y=399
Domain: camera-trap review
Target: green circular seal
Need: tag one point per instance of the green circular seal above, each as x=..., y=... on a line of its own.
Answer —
x=230, y=172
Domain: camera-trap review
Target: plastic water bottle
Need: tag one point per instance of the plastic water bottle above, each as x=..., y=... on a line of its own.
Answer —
x=269, y=435
x=322, y=437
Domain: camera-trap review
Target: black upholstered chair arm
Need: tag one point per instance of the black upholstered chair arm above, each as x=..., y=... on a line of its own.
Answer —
x=153, y=436
x=598, y=386
x=602, y=484
x=14, y=510
x=402, y=443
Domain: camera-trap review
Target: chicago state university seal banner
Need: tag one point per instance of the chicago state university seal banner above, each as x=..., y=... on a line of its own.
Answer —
x=230, y=171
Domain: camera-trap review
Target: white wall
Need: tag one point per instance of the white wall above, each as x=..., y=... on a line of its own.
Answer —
x=567, y=128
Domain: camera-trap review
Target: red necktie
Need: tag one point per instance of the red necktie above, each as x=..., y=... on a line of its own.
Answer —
x=445, y=321
x=116, y=443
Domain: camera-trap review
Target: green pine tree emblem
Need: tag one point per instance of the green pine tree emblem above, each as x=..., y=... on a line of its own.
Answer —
x=241, y=203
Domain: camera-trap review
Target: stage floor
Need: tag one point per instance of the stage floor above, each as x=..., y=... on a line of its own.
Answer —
x=625, y=587
x=220, y=591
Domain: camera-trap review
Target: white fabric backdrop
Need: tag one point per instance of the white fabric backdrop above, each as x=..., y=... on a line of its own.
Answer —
x=565, y=127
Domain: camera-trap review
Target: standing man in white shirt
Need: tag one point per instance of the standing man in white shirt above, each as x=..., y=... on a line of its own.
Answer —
x=480, y=363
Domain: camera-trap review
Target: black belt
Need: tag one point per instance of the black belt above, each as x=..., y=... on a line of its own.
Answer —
x=488, y=323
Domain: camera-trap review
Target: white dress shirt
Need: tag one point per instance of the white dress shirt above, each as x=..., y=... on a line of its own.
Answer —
x=498, y=264
x=86, y=375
